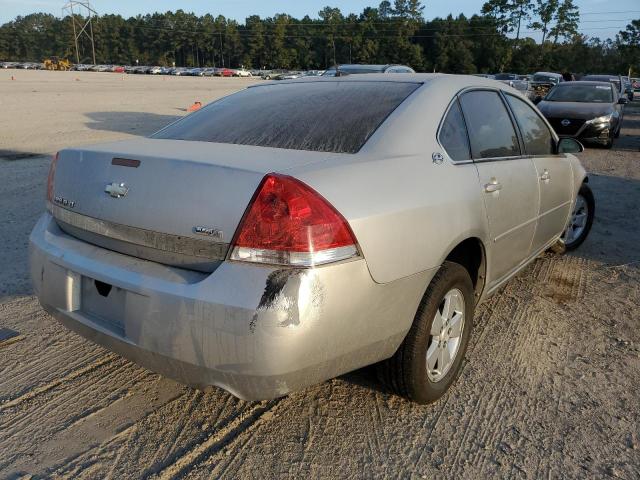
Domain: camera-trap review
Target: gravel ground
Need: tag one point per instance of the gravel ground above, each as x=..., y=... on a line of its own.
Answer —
x=549, y=388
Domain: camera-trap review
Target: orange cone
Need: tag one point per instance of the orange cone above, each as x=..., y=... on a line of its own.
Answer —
x=194, y=107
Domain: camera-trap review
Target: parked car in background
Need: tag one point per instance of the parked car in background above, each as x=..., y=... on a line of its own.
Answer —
x=514, y=81
x=615, y=80
x=295, y=231
x=224, y=72
x=627, y=87
x=272, y=74
x=289, y=76
x=542, y=82
x=585, y=110
x=350, y=69
x=242, y=72
x=313, y=73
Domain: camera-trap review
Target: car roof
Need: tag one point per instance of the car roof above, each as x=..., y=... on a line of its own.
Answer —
x=551, y=74
x=585, y=82
x=471, y=80
x=603, y=75
x=440, y=83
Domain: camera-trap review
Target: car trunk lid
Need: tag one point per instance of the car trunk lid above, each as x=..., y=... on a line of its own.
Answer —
x=170, y=201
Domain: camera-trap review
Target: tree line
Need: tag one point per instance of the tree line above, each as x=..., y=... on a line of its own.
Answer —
x=497, y=39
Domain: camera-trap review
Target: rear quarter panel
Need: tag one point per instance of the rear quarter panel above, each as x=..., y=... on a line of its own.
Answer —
x=406, y=211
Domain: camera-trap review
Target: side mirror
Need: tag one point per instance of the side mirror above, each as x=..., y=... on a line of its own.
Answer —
x=537, y=100
x=569, y=145
x=623, y=101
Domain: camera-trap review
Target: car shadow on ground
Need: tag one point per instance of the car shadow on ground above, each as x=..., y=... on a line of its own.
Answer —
x=133, y=123
x=18, y=155
x=612, y=240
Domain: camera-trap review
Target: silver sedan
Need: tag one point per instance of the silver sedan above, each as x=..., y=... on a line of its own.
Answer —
x=298, y=230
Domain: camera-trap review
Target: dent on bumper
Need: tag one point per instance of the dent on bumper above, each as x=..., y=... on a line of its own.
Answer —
x=255, y=331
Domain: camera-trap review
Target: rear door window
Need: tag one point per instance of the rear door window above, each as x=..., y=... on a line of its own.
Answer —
x=322, y=116
x=491, y=132
x=535, y=133
x=453, y=134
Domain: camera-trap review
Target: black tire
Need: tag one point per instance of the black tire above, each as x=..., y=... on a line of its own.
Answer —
x=586, y=193
x=406, y=372
x=617, y=133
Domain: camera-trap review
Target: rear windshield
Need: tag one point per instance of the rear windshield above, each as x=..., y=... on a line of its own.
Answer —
x=319, y=116
x=545, y=78
x=603, y=78
x=581, y=93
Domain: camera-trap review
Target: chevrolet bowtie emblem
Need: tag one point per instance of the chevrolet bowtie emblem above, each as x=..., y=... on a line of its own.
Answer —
x=116, y=190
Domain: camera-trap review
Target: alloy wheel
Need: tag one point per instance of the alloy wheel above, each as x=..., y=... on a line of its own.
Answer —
x=578, y=220
x=446, y=335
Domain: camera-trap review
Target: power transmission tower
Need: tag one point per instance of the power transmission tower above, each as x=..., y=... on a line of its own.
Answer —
x=80, y=24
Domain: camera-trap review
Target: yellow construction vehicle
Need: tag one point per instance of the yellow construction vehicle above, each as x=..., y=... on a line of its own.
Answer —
x=55, y=63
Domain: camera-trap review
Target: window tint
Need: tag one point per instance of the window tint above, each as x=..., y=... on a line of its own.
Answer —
x=586, y=93
x=491, y=132
x=453, y=134
x=535, y=133
x=319, y=116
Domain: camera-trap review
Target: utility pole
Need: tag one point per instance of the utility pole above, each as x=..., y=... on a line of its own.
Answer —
x=221, y=53
x=81, y=27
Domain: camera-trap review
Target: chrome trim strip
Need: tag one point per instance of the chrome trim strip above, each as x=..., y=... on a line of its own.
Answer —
x=165, y=242
x=534, y=219
x=514, y=229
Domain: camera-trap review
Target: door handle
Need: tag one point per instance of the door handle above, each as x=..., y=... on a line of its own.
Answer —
x=545, y=177
x=492, y=186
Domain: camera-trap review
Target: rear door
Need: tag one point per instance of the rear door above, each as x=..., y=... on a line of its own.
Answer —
x=507, y=178
x=553, y=172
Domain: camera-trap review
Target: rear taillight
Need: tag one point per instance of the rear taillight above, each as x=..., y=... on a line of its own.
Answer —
x=51, y=177
x=289, y=223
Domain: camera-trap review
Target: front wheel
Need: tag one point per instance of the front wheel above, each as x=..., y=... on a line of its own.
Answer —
x=428, y=360
x=581, y=218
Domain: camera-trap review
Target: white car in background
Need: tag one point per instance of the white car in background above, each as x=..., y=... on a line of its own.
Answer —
x=241, y=72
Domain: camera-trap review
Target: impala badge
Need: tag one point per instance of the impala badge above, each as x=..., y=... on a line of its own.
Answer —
x=209, y=231
x=116, y=190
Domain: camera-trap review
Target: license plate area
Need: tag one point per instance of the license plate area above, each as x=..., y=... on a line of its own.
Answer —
x=105, y=304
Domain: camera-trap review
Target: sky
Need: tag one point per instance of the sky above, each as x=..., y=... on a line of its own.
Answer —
x=599, y=18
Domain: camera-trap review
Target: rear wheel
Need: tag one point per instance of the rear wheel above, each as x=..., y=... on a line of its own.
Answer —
x=581, y=218
x=429, y=359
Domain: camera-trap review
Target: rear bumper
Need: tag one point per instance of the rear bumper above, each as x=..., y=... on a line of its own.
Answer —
x=258, y=332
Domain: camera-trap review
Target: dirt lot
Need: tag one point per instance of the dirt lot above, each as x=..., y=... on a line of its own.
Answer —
x=549, y=389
